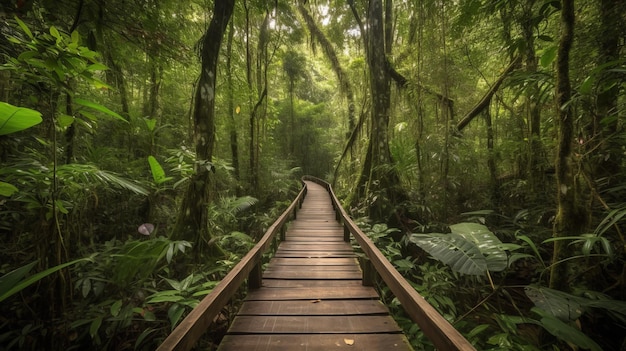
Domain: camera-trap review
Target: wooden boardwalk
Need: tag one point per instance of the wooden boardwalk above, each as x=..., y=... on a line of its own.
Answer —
x=312, y=297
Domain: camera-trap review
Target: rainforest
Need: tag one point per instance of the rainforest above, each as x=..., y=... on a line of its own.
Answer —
x=146, y=146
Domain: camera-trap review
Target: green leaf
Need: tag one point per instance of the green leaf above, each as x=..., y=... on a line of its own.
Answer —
x=14, y=119
x=75, y=37
x=24, y=27
x=5, y=293
x=95, y=325
x=548, y=56
x=97, y=67
x=461, y=255
x=559, y=304
x=9, y=280
x=150, y=123
x=7, y=189
x=55, y=33
x=488, y=244
x=142, y=336
x=65, y=120
x=565, y=331
x=174, y=313
x=158, y=174
x=116, y=307
x=99, y=108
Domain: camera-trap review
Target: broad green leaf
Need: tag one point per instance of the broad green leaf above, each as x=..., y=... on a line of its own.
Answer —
x=14, y=119
x=158, y=174
x=4, y=294
x=587, y=85
x=116, y=307
x=97, y=67
x=460, y=254
x=486, y=241
x=99, y=108
x=174, y=313
x=565, y=331
x=95, y=326
x=75, y=37
x=55, y=33
x=150, y=123
x=561, y=305
x=9, y=280
x=548, y=56
x=65, y=120
x=7, y=189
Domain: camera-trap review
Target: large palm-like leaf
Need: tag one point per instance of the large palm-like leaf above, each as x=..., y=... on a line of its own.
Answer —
x=454, y=250
x=488, y=244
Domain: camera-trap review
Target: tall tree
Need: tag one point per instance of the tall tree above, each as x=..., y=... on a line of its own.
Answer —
x=378, y=178
x=570, y=216
x=192, y=223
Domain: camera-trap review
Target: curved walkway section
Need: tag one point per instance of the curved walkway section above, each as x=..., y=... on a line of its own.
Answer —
x=312, y=296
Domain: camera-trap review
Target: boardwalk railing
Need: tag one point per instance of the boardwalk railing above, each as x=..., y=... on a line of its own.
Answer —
x=187, y=333
x=434, y=326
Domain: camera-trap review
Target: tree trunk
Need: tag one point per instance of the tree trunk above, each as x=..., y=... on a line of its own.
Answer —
x=606, y=122
x=570, y=216
x=378, y=180
x=234, y=146
x=533, y=113
x=192, y=222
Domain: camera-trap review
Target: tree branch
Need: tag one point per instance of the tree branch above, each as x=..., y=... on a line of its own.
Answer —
x=484, y=102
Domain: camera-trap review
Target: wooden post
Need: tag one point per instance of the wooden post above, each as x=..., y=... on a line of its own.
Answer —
x=369, y=273
x=283, y=236
x=346, y=233
x=255, y=279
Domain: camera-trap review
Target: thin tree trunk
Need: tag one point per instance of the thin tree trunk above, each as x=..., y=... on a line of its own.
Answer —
x=193, y=222
x=234, y=147
x=570, y=217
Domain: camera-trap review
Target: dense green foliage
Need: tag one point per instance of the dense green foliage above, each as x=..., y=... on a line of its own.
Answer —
x=488, y=132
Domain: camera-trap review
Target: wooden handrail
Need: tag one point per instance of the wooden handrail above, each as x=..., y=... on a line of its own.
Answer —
x=187, y=333
x=435, y=327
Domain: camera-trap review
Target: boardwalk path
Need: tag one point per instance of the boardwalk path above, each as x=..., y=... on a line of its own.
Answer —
x=312, y=296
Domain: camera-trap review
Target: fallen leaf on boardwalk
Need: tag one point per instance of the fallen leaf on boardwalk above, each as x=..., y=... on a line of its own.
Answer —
x=316, y=301
x=349, y=342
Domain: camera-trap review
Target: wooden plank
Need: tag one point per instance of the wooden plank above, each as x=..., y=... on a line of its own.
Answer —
x=313, y=307
x=320, y=247
x=321, y=268
x=313, y=324
x=320, y=342
x=314, y=261
x=313, y=254
x=307, y=274
x=298, y=283
x=313, y=293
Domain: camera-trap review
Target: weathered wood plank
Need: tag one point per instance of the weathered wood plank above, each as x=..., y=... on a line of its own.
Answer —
x=314, y=261
x=319, y=342
x=307, y=274
x=313, y=307
x=298, y=283
x=313, y=324
x=313, y=293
